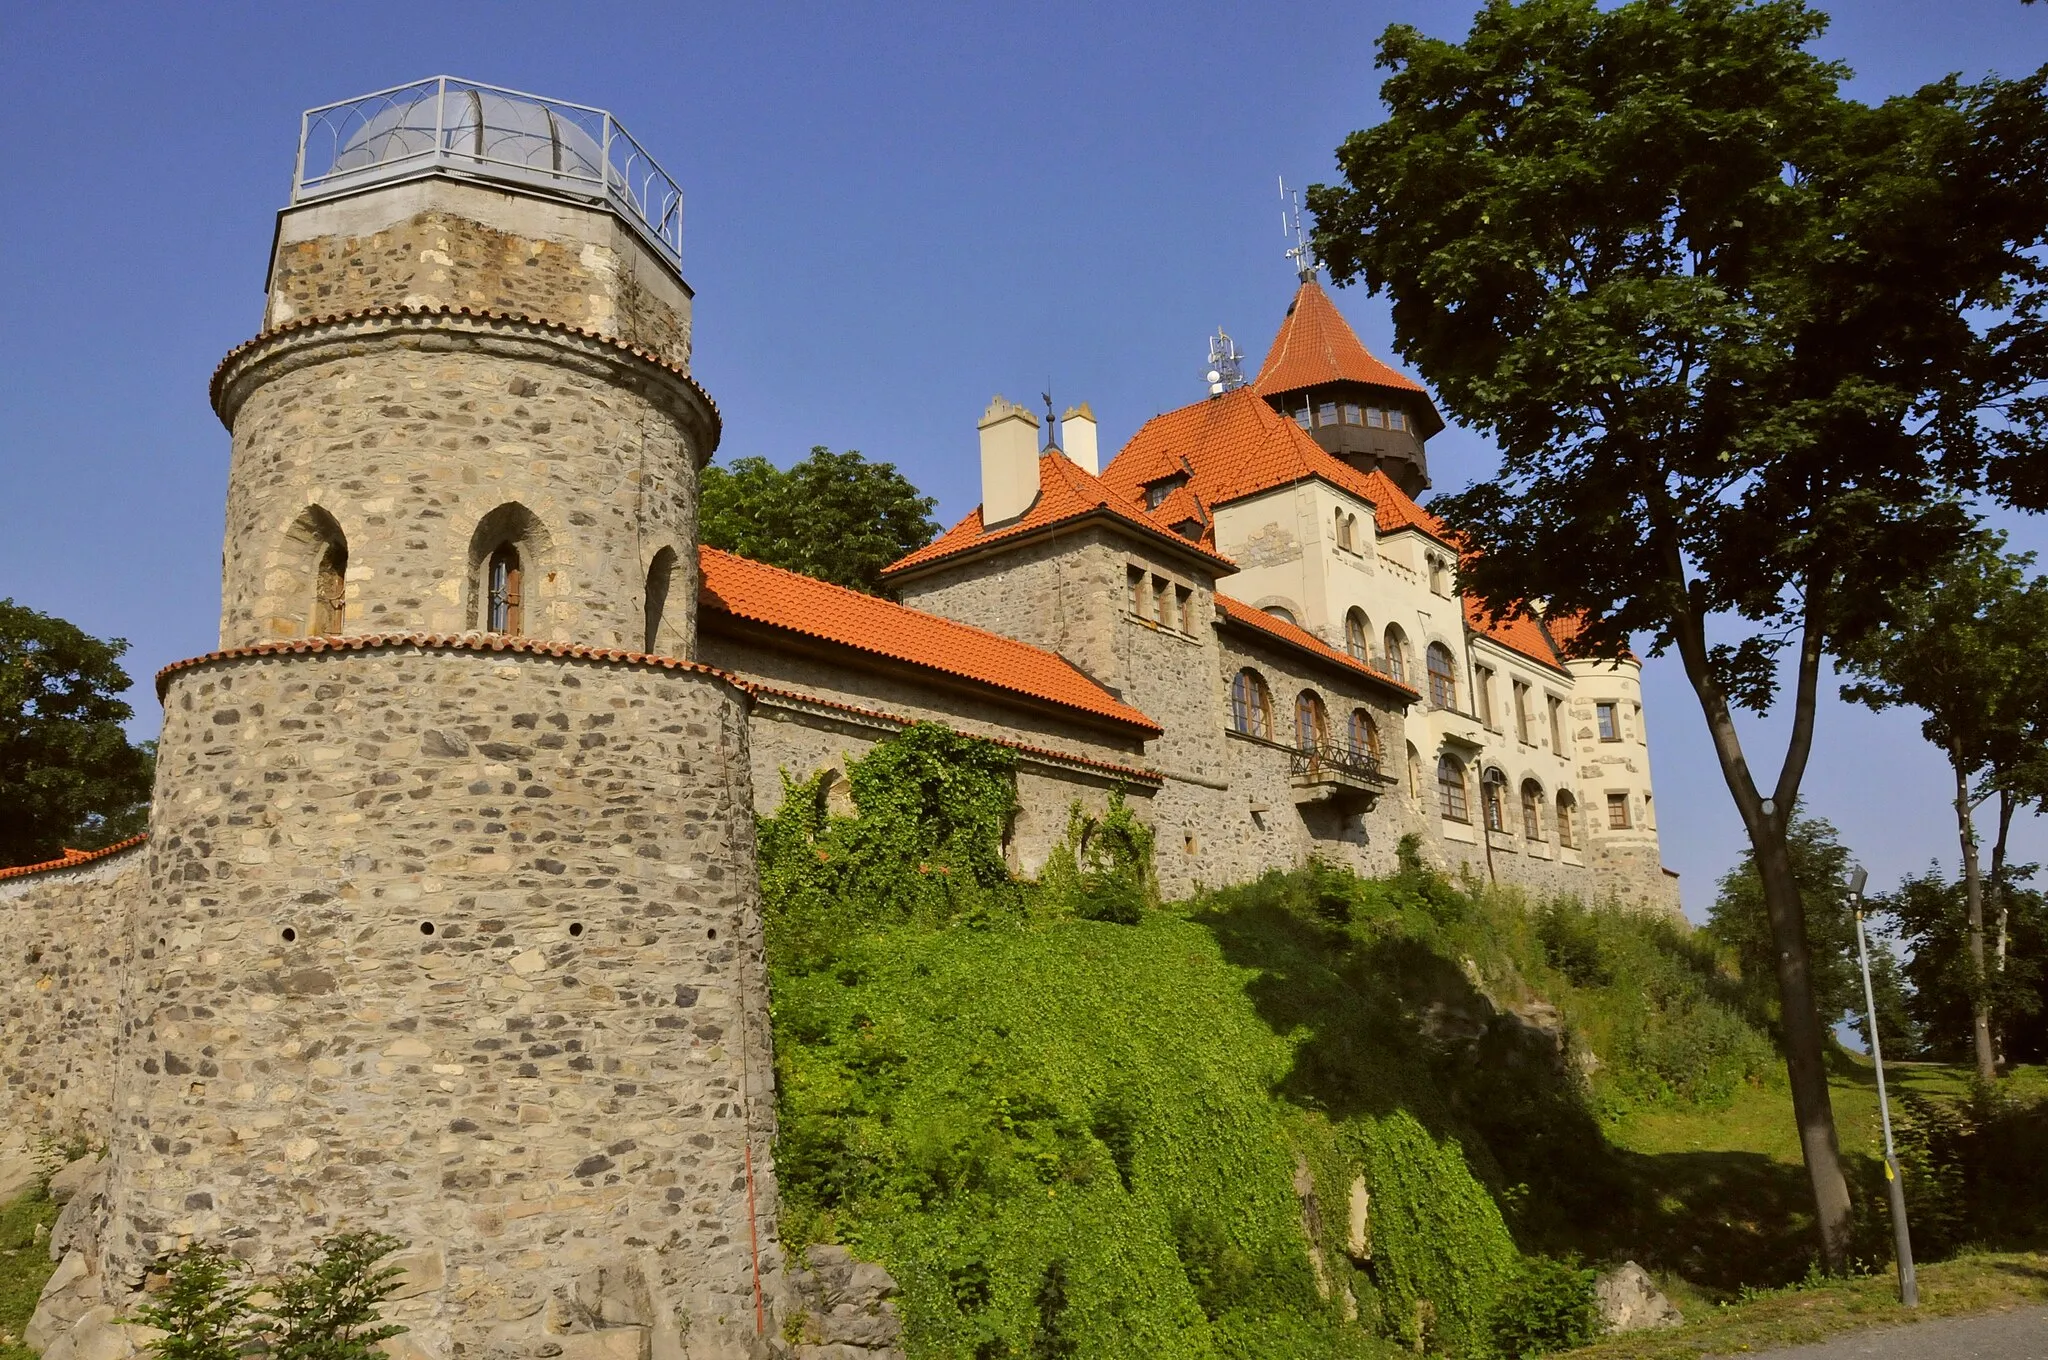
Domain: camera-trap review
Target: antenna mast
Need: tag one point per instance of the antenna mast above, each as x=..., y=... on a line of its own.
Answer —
x=1226, y=365
x=1301, y=252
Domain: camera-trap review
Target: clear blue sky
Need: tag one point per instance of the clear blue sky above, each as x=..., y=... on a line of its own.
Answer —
x=892, y=212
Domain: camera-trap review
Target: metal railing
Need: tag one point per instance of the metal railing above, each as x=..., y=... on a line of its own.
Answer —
x=1329, y=759
x=488, y=132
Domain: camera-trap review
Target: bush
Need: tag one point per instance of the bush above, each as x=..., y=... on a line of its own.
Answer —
x=1547, y=1306
x=322, y=1309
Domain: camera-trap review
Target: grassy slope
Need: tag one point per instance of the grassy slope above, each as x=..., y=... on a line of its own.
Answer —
x=24, y=1265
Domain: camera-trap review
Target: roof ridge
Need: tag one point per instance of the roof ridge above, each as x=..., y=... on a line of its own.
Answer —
x=71, y=858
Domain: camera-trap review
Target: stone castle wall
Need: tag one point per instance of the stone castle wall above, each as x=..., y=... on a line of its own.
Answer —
x=409, y=434
x=464, y=946
x=63, y=939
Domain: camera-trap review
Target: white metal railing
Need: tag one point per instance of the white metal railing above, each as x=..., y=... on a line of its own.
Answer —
x=489, y=132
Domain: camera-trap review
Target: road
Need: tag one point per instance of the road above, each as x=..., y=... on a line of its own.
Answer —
x=2019, y=1334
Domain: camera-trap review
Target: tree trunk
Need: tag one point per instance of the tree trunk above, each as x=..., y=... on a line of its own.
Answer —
x=1766, y=821
x=1973, y=889
x=1998, y=899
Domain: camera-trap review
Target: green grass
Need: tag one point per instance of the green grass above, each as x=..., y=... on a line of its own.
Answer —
x=24, y=1267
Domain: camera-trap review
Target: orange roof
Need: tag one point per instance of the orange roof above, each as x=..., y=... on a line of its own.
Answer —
x=1066, y=492
x=1316, y=345
x=1394, y=510
x=1235, y=445
x=71, y=859
x=1520, y=632
x=799, y=604
x=1302, y=640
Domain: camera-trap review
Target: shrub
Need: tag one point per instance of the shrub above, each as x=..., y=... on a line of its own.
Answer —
x=1547, y=1306
x=322, y=1309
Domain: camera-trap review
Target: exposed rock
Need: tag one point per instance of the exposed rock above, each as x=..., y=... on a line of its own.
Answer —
x=70, y=1293
x=74, y=1175
x=18, y=1168
x=1629, y=1301
x=849, y=1313
x=1358, y=1241
x=77, y=1227
x=100, y=1335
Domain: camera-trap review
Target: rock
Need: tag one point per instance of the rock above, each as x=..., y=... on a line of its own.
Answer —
x=77, y=1227
x=68, y=1181
x=1629, y=1301
x=71, y=1292
x=609, y=1343
x=425, y=1272
x=100, y=1335
x=1358, y=1240
x=847, y=1308
x=18, y=1169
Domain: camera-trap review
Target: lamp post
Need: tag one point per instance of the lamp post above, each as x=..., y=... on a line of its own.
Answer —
x=1909, y=1288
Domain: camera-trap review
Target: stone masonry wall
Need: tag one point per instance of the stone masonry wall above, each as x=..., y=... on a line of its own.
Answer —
x=463, y=946
x=441, y=242
x=63, y=940
x=410, y=440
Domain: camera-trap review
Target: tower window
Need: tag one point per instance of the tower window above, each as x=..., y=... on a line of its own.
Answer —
x=1443, y=677
x=1303, y=418
x=502, y=607
x=330, y=591
x=1326, y=414
x=1356, y=633
x=1567, y=832
x=1352, y=415
x=1610, y=722
x=1375, y=416
x=659, y=573
x=1397, y=420
x=1617, y=811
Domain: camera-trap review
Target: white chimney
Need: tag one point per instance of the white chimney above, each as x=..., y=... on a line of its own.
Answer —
x=1077, y=438
x=1009, y=461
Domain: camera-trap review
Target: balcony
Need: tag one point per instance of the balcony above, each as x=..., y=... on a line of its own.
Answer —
x=1333, y=773
x=446, y=126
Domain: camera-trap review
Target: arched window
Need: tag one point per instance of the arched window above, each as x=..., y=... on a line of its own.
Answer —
x=1414, y=777
x=1357, y=635
x=330, y=590
x=1532, y=810
x=659, y=573
x=501, y=586
x=1450, y=789
x=1567, y=817
x=1397, y=654
x=1365, y=736
x=1443, y=677
x=1493, y=795
x=1280, y=612
x=1251, y=705
x=1311, y=726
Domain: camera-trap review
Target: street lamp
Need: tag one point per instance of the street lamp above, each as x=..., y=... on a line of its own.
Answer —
x=1909, y=1288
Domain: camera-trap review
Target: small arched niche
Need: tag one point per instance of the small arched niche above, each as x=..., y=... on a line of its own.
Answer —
x=660, y=576
x=310, y=591
x=508, y=564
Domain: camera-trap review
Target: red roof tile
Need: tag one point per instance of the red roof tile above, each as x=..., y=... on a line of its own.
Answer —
x=1316, y=345
x=1520, y=632
x=1394, y=510
x=441, y=642
x=71, y=859
x=783, y=599
x=1302, y=640
x=1066, y=492
x=1236, y=446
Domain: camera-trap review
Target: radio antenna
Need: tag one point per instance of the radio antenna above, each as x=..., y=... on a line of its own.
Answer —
x=1301, y=252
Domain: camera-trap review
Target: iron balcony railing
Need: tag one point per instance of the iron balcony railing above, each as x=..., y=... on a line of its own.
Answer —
x=488, y=132
x=1330, y=760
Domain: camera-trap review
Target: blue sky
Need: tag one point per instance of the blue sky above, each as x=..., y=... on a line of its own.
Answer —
x=892, y=212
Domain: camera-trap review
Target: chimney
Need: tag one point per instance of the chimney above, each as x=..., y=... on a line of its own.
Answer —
x=1078, y=434
x=1009, y=461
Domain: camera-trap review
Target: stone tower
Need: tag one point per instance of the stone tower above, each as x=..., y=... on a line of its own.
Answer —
x=453, y=929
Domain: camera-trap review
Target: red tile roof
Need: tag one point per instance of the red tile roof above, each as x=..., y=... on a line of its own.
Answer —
x=441, y=642
x=71, y=859
x=1316, y=345
x=1394, y=510
x=1237, y=611
x=1066, y=492
x=1520, y=632
x=783, y=599
x=1236, y=446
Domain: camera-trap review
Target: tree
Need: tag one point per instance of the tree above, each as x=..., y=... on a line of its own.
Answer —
x=68, y=774
x=1741, y=920
x=1968, y=646
x=834, y=516
x=1931, y=916
x=1721, y=323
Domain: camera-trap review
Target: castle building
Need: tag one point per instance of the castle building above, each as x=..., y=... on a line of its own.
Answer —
x=447, y=922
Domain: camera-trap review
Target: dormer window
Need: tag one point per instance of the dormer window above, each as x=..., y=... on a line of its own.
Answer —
x=1157, y=492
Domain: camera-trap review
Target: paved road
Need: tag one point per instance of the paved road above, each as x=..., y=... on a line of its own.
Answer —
x=2021, y=1334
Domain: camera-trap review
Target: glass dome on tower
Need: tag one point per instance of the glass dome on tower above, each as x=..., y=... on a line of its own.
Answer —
x=445, y=126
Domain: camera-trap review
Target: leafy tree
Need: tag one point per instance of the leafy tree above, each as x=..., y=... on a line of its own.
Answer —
x=326, y=1309
x=1931, y=914
x=203, y=1309
x=1898, y=1028
x=68, y=774
x=1741, y=920
x=834, y=516
x=1968, y=646
x=1723, y=324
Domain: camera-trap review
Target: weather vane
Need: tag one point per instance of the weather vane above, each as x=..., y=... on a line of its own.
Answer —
x=1301, y=252
x=1052, y=426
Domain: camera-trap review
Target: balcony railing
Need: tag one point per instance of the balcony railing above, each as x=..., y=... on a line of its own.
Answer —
x=488, y=132
x=1328, y=762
